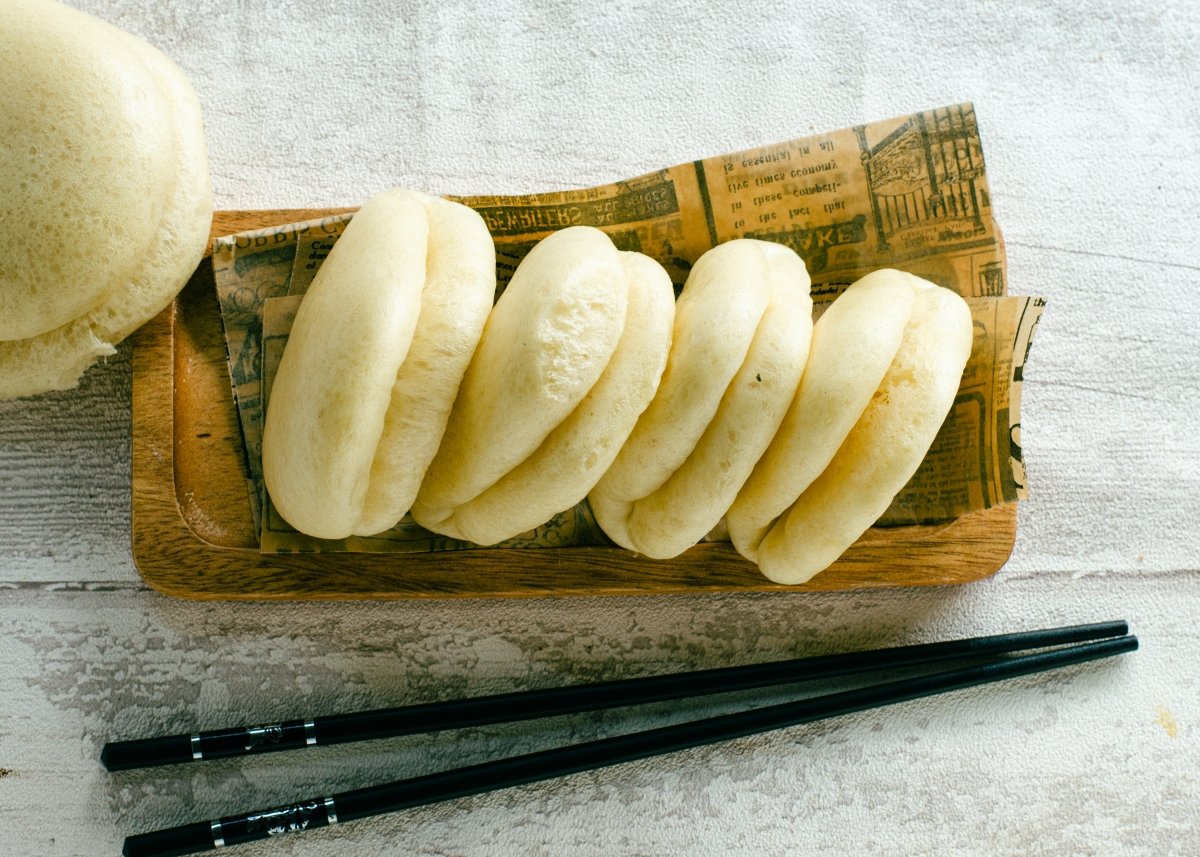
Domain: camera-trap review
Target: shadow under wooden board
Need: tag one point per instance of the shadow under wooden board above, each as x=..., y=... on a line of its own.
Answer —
x=193, y=532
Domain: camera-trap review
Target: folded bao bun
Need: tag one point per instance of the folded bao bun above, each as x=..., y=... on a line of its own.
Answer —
x=889, y=439
x=373, y=363
x=741, y=339
x=853, y=344
x=570, y=357
x=105, y=197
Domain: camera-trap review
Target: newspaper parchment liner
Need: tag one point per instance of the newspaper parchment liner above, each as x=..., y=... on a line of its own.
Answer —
x=909, y=193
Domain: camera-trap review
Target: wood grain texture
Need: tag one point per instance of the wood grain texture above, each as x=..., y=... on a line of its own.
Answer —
x=193, y=533
x=85, y=667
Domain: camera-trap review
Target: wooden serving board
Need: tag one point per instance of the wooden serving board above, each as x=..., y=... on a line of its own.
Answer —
x=193, y=533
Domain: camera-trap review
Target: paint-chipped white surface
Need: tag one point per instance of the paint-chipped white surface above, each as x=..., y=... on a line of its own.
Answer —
x=1091, y=128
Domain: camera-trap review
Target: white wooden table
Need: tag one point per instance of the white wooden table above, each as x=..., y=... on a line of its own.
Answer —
x=1091, y=127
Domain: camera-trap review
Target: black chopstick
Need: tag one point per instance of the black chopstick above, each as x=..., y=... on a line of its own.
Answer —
x=524, y=705
x=533, y=767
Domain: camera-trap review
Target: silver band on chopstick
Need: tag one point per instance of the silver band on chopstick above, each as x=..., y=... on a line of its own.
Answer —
x=330, y=811
x=310, y=736
x=217, y=834
x=197, y=753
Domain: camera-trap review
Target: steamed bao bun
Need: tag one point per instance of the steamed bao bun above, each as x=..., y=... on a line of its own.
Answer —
x=853, y=344
x=105, y=197
x=570, y=357
x=373, y=364
x=741, y=340
x=886, y=362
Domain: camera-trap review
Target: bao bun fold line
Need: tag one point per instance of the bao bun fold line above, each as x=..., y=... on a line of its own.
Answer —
x=570, y=357
x=889, y=439
x=741, y=340
x=105, y=196
x=373, y=364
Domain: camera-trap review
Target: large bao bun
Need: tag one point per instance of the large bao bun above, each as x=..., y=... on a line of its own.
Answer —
x=571, y=355
x=105, y=198
x=373, y=364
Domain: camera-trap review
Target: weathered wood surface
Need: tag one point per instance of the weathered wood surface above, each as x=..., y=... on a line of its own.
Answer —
x=1090, y=126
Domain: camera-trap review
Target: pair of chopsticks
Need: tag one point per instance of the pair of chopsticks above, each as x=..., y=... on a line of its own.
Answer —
x=994, y=659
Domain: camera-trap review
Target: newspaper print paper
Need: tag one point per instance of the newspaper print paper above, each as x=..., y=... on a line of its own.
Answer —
x=909, y=193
